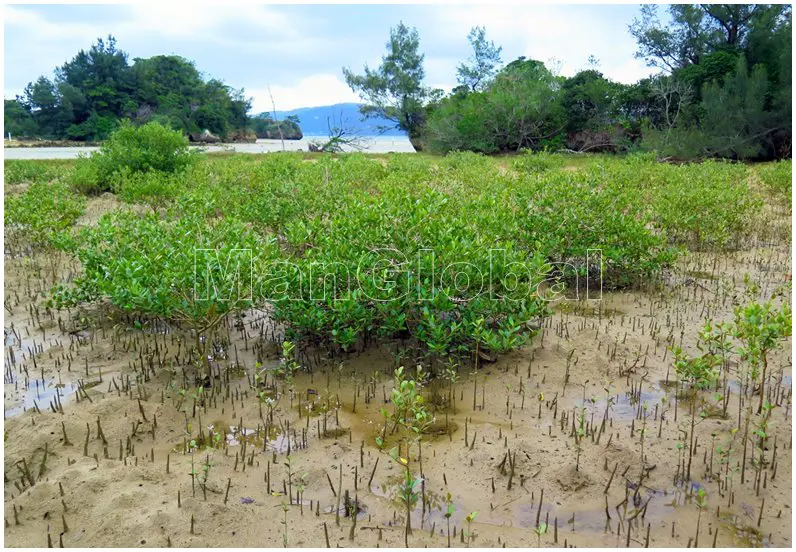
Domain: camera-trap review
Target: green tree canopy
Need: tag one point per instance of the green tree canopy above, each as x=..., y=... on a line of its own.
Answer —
x=395, y=89
x=482, y=65
x=520, y=108
x=97, y=88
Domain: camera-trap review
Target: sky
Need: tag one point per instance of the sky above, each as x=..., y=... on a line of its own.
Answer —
x=299, y=50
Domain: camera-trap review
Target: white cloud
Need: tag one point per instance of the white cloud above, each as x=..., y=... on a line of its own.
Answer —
x=630, y=71
x=39, y=28
x=568, y=34
x=248, y=45
x=180, y=20
x=315, y=90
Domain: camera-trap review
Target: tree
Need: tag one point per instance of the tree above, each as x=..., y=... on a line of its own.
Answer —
x=595, y=120
x=713, y=67
x=735, y=121
x=17, y=120
x=732, y=19
x=103, y=76
x=674, y=97
x=156, y=77
x=483, y=64
x=264, y=126
x=589, y=100
x=42, y=100
x=520, y=108
x=696, y=30
x=97, y=88
x=733, y=64
x=670, y=48
x=395, y=89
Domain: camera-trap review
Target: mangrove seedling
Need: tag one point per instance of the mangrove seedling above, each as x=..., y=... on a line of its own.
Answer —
x=702, y=504
x=448, y=513
x=408, y=492
x=760, y=327
x=285, y=510
x=469, y=533
x=540, y=530
x=700, y=373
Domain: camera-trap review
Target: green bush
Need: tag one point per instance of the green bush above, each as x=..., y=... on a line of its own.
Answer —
x=156, y=189
x=778, y=180
x=38, y=215
x=131, y=150
x=85, y=178
x=362, y=247
x=519, y=108
x=175, y=269
x=537, y=162
x=19, y=171
x=703, y=205
x=567, y=213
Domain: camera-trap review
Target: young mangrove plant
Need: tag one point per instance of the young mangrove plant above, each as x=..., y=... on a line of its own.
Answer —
x=449, y=509
x=468, y=535
x=540, y=530
x=186, y=270
x=410, y=416
x=699, y=373
x=285, y=510
x=759, y=327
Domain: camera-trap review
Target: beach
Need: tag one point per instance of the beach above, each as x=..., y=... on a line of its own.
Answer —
x=398, y=144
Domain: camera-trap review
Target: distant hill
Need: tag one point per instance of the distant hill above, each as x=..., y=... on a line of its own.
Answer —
x=313, y=120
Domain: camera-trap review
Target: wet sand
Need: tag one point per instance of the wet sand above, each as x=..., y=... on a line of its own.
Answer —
x=132, y=484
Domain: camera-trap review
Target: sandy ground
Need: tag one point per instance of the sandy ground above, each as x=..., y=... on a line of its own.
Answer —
x=108, y=466
x=379, y=144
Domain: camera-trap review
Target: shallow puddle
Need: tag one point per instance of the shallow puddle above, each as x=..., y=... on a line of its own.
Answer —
x=38, y=393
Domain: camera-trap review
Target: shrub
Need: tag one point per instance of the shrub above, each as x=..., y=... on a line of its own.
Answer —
x=19, y=171
x=778, y=180
x=363, y=248
x=189, y=269
x=37, y=216
x=700, y=205
x=466, y=160
x=568, y=213
x=85, y=178
x=537, y=162
x=131, y=150
x=156, y=189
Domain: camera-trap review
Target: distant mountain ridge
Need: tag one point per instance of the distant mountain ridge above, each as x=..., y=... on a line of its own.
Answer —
x=313, y=120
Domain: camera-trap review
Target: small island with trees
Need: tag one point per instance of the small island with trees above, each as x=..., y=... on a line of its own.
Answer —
x=98, y=88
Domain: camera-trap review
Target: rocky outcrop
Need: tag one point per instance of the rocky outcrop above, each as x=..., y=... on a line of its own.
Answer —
x=269, y=129
x=204, y=137
x=242, y=137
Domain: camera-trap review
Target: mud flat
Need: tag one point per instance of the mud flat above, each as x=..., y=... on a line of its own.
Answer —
x=578, y=438
x=104, y=457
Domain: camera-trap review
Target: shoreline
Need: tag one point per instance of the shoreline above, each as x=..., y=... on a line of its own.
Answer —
x=396, y=144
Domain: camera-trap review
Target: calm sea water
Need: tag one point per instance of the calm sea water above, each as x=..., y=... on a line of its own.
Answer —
x=398, y=144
